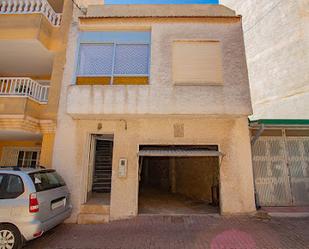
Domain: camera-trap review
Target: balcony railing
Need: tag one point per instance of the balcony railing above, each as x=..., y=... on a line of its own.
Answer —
x=30, y=6
x=24, y=87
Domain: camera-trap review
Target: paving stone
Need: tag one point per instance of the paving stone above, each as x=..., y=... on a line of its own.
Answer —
x=181, y=232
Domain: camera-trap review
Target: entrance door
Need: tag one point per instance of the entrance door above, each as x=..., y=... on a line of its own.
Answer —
x=281, y=170
x=102, y=174
x=298, y=164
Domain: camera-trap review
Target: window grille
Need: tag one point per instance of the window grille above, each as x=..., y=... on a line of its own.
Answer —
x=131, y=59
x=113, y=60
x=96, y=59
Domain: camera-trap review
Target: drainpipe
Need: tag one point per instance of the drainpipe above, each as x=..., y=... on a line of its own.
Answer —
x=258, y=134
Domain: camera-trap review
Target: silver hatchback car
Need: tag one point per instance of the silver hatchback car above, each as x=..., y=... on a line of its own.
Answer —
x=32, y=201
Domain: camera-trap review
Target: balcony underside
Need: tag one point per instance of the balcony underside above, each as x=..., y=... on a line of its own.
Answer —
x=25, y=58
x=16, y=135
x=34, y=26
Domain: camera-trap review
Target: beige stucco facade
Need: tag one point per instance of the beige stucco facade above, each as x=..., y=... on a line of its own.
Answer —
x=231, y=135
x=162, y=96
x=277, y=45
x=149, y=114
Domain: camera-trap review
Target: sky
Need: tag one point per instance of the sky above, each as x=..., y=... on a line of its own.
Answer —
x=160, y=1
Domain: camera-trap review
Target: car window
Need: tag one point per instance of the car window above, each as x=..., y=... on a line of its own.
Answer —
x=11, y=186
x=45, y=180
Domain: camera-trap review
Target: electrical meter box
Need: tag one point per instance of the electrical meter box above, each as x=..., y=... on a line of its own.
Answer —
x=123, y=167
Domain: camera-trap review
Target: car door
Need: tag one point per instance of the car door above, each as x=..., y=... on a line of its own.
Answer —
x=11, y=196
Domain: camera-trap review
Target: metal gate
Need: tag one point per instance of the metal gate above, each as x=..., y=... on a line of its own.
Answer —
x=281, y=170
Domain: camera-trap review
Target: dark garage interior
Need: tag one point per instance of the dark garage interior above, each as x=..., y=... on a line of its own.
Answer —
x=181, y=184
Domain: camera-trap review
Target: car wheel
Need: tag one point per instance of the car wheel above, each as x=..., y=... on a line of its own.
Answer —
x=10, y=237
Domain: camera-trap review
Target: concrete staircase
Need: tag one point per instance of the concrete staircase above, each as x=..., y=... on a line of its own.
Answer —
x=102, y=177
x=93, y=214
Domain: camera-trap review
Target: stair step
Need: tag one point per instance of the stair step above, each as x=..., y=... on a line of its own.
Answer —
x=102, y=174
x=92, y=218
x=98, y=186
x=95, y=209
x=101, y=187
x=102, y=178
x=100, y=183
x=103, y=167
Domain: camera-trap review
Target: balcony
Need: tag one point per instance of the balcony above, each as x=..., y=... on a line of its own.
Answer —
x=31, y=7
x=23, y=97
x=24, y=87
x=31, y=21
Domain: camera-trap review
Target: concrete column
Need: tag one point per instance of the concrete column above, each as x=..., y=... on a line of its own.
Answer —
x=47, y=150
x=173, y=174
x=236, y=173
x=58, y=44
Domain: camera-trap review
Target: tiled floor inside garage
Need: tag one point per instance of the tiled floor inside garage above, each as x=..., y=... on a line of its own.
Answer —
x=157, y=202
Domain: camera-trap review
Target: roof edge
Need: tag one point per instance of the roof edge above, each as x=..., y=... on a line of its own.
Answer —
x=281, y=122
x=159, y=10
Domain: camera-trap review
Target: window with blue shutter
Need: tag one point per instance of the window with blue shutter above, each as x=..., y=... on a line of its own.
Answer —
x=113, y=58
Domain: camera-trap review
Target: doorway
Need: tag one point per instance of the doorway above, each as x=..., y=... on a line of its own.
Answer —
x=100, y=173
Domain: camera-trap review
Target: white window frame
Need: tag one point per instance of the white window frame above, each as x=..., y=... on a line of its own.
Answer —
x=37, y=160
x=10, y=154
x=112, y=75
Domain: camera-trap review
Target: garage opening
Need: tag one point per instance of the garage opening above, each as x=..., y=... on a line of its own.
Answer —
x=179, y=179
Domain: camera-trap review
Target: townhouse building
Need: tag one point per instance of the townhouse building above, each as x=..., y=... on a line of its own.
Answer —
x=33, y=38
x=277, y=49
x=153, y=112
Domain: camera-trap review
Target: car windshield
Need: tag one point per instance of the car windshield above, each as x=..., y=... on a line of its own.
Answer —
x=45, y=180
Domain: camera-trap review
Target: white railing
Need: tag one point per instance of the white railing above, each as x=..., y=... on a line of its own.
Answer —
x=24, y=87
x=30, y=6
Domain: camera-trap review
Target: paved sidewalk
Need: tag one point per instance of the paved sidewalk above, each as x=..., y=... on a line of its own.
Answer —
x=179, y=232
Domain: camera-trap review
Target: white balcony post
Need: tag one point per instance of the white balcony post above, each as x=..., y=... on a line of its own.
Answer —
x=2, y=7
x=35, y=93
x=31, y=8
x=59, y=20
x=38, y=5
x=34, y=90
x=27, y=6
x=14, y=8
x=44, y=8
x=9, y=6
x=21, y=6
x=13, y=88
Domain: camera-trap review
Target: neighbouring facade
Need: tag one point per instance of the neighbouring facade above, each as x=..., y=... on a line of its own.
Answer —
x=154, y=107
x=33, y=37
x=277, y=49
